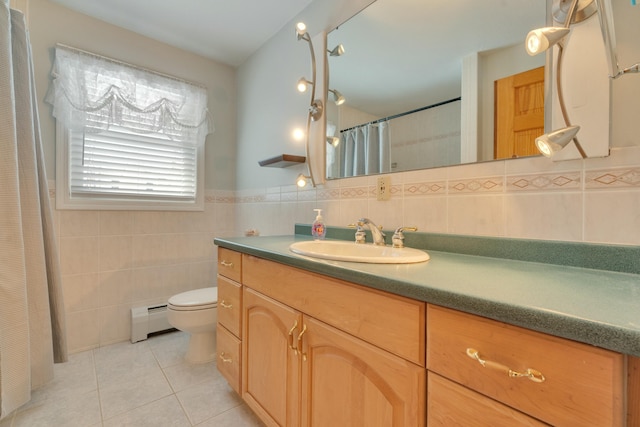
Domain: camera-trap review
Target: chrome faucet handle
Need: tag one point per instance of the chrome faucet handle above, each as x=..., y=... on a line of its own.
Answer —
x=360, y=234
x=397, y=240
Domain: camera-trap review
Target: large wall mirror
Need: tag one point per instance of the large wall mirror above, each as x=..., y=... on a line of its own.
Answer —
x=405, y=68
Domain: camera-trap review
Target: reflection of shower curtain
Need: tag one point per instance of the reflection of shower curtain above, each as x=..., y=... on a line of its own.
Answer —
x=32, y=332
x=365, y=150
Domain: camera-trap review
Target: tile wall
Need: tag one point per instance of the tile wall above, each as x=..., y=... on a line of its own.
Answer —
x=113, y=261
x=593, y=200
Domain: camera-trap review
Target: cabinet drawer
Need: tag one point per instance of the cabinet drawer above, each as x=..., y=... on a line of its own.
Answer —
x=450, y=404
x=583, y=385
x=391, y=322
x=229, y=350
x=230, y=305
x=230, y=264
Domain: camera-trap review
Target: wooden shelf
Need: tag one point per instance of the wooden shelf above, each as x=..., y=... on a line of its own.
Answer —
x=282, y=161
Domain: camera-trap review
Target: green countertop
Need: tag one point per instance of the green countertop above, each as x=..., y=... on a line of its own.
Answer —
x=597, y=307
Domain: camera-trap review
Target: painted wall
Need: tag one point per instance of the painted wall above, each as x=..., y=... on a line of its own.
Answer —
x=269, y=107
x=50, y=23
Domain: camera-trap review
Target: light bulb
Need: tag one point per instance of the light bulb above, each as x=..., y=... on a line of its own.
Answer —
x=301, y=181
x=298, y=134
x=302, y=85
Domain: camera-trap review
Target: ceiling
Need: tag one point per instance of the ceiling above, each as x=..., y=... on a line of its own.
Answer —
x=227, y=31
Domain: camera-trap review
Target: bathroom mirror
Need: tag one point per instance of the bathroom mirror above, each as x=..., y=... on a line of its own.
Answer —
x=405, y=55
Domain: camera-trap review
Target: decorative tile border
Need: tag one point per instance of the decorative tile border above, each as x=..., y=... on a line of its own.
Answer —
x=494, y=184
x=425, y=188
x=355, y=192
x=613, y=178
x=329, y=194
x=545, y=182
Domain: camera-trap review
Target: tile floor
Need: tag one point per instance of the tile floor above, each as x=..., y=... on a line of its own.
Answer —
x=143, y=384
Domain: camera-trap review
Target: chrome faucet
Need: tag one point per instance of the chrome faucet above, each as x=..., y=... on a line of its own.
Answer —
x=378, y=235
x=398, y=237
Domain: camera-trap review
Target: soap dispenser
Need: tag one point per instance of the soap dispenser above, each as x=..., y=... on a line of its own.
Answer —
x=318, y=230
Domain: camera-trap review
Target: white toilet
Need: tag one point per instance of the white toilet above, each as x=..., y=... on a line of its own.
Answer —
x=196, y=312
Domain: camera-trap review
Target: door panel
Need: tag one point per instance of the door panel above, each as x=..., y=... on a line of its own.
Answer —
x=519, y=114
x=348, y=382
x=270, y=367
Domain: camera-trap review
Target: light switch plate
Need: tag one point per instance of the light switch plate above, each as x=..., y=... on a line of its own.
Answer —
x=383, y=190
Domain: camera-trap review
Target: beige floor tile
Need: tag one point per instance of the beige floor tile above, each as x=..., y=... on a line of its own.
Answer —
x=124, y=393
x=208, y=399
x=81, y=410
x=184, y=375
x=240, y=416
x=143, y=384
x=163, y=412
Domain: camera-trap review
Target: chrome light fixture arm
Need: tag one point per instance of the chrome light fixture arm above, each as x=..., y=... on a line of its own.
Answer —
x=315, y=106
x=563, y=108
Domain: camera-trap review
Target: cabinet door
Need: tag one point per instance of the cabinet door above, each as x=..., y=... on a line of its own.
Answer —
x=270, y=365
x=348, y=382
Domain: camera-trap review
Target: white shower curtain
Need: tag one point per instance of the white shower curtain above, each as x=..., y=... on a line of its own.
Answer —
x=365, y=150
x=32, y=329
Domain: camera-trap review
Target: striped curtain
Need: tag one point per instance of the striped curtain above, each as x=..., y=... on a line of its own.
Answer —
x=32, y=328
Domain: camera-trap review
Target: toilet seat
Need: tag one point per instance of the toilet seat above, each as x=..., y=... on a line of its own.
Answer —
x=197, y=299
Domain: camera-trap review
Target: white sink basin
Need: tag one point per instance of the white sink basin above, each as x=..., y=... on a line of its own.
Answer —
x=350, y=251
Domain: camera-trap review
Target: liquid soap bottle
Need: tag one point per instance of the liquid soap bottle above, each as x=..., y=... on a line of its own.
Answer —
x=318, y=230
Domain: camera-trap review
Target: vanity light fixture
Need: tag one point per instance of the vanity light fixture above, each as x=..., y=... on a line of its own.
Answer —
x=315, y=106
x=336, y=51
x=551, y=143
x=338, y=98
x=301, y=180
x=539, y=40
x=303, y=84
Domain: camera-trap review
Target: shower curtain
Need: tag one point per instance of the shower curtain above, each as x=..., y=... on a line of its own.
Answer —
x=32, y=328
x=366, y=150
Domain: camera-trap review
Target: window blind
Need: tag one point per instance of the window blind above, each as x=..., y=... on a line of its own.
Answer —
x=119, y=163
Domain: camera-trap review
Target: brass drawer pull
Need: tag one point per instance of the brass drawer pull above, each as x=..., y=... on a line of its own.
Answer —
x=225, y=305
x=226, y=263
x=225, y=359
x=532, y=374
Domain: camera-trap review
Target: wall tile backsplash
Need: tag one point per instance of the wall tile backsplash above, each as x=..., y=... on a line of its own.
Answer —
x=115, y=260
x=112, y=261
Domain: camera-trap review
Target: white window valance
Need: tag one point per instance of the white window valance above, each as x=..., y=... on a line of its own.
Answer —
x=92, y=93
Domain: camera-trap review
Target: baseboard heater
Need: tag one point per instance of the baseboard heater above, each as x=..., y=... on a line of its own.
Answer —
x=147, y=320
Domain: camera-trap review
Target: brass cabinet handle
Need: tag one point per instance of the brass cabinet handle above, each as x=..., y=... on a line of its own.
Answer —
x=293, y=328
x=225, y=305
x=532, y=374
x=304, y=329
x=225, y=359
x=226, y=263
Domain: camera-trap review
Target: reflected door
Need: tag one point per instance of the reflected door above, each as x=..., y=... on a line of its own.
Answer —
x=519, y=114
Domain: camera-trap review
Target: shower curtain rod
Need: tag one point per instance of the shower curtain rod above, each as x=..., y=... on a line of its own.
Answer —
x=395, y=116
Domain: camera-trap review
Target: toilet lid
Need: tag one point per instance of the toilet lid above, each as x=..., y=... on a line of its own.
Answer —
x=196, y=299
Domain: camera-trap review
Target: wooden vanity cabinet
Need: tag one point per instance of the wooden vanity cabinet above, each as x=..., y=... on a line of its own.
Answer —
x=228, y=329
x=300, y=370
x=318, y=351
